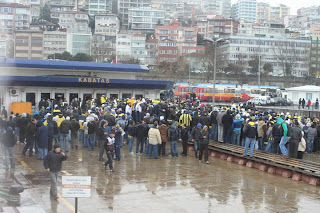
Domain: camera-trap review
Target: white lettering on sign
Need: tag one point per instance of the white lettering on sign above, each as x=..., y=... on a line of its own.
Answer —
x=76, y=186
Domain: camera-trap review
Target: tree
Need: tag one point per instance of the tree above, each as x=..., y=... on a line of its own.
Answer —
x=129, y=61
x=45, y=12
x=92, y=23
x=199, y=39
x=66, y=56
x=100, y=51
x=159, y=23
x=254, y=64
x=82, y=57
x=267, y=70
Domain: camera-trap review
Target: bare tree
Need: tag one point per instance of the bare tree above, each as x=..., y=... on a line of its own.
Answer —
x=100, y=51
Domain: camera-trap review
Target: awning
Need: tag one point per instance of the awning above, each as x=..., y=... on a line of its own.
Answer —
x=83, y=82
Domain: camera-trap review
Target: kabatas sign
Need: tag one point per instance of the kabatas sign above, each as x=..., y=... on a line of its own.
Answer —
x=94, y=80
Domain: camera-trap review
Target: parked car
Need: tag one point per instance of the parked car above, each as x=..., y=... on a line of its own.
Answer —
x=278, y=101
x=261, y=100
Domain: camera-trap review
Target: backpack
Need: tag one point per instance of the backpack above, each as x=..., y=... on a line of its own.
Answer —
x=289, y=132
x=173, y=134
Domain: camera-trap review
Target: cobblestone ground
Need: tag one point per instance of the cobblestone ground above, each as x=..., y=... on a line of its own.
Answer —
x=178, y=184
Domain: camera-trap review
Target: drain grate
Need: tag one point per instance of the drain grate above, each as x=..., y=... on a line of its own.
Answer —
x=38, y=178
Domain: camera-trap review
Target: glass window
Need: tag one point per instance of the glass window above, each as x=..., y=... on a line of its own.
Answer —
x=31, y=97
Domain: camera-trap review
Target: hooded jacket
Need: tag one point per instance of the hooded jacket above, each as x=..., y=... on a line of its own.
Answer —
x=284, y=126
x=251, y=130
x=42, y=135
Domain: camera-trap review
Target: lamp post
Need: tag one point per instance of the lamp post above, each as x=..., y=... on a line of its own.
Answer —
x=214, y=42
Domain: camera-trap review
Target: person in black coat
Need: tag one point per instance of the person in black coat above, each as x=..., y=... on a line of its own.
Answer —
x=30, y=135
x=42, y=139
x=184, y=138
x=53, y=163
x=50, y=133
x=75, y=126
x=8, y=141
x=227, y=121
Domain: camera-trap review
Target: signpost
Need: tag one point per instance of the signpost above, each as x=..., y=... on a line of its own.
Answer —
x=76, y=187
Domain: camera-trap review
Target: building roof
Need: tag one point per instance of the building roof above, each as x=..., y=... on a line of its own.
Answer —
x=83, y=82
x=72, y=65
x=306, y=88
x=13, y=5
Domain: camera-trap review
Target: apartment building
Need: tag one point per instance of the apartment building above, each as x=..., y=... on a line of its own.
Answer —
x=35, y=6
x=145, y=19
x=13, y=17
x=107, y=24
x=28, y=43
x=94, y=7
x=138, y=47
x=57, y=6
x=217, y=7
x=125, y=5
x=74, y=21
x=54, y=41
x=123, y=46
x=245, y=9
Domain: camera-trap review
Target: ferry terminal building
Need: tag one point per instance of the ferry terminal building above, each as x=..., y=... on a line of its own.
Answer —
x=24, y=80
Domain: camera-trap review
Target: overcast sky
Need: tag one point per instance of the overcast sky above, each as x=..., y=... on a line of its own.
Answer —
x=293, y=4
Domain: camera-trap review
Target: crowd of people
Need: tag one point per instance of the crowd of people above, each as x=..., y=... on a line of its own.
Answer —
x=147, y=127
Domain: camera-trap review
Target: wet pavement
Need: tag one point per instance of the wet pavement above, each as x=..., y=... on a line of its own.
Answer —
x=178, y=184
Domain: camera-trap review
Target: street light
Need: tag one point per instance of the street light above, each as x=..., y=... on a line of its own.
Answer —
x=214, y=42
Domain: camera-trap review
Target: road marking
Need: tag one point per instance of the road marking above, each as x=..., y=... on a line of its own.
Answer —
x=67, y=204
x=27, y=166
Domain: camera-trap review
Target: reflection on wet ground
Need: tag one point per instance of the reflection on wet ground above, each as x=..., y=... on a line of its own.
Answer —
x=179, y=184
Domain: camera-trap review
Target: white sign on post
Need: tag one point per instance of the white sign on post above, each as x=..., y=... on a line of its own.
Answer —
x=76, y=186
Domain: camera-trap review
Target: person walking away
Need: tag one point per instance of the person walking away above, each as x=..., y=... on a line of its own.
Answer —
x=317, y=104
x=303, y=103
x=173, y=136
x=23, y=124
x=50, y=132
x=75, y=126
x=227, y=121
x=42, y=138
x=154, y=141
x=55, y=130
x=91, y=131
x=186, y=119
x=251, y=134
x=195, y=135
x=295, y=140
x=164, y=138
x=236, y=126
x=214, y=123
x=220, y=124
x=101, y=137
x=284, y=128
x=53, y=164
x=85, y=143
x=302, y=146
x=109, y=147
x=31, y=131
x=311, y=134
x=276, y=133
x=309, y=103
x=131, y=130
x=184, y=138
x=118, y=135
x=9, y=141
x=204, y=143
x=270, y=145
x=300, y=102
x=64, y=133
x=141, y=137
x=262, y=130
x=4, y=112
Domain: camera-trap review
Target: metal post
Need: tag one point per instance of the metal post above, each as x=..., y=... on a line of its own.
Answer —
x=214, y=75
x=189, y=74
x=259, y=68
x=76, y=205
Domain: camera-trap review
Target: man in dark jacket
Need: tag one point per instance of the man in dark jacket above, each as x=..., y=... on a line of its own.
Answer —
x=30, y=137
x=91, y=132
x=22, y=124
x=214, y=123
x=65, y=126
x=110, y=118
x=227, y=121
x=296, y=135
x=277, y=137
x=184, y=138
x=8, y=141
x=42, y=139
x=53, y=163
x=195, y=135
x=141, y=133
x=251, y=135
x=75, y=126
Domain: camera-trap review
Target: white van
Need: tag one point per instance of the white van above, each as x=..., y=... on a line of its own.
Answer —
x=261, y=100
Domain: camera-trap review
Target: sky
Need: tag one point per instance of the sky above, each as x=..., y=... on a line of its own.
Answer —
x=293, y=4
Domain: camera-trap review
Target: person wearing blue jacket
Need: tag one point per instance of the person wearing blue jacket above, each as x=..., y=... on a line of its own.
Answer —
x=42, y=139
x=236, y=127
